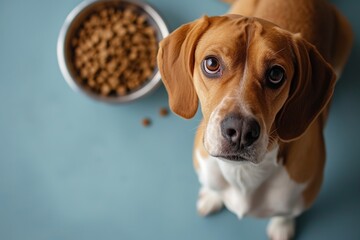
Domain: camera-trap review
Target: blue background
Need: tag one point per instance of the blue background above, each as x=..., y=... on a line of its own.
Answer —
x=73, y=168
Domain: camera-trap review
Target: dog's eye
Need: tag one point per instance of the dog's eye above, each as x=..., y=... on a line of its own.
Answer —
x=275, y=76
x=211, y=67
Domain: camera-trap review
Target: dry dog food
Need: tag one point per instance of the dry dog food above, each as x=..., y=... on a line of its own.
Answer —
x=146, y=122
x=115, y=51
x=163, y=112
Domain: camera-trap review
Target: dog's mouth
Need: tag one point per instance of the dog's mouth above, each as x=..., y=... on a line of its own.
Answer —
x=233, y=158
x=239, y=157
x=250, y=154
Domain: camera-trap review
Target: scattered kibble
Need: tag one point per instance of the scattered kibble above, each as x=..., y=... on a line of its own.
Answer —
x=115, y=51
x=146, y=122
x=164, y=112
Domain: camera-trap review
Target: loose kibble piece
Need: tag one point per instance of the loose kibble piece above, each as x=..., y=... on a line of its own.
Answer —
x=115, y=51
x=163, y=112
x=146, y=122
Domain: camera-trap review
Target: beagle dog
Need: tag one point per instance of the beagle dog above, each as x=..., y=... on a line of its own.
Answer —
x=264, y=75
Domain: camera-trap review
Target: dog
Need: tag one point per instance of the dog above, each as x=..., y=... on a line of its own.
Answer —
x=264, y=75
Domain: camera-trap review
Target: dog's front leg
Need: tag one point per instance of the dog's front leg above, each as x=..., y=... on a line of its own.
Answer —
x=209, y=201
x=281, y=228
x=212, y=183
x=210, y=177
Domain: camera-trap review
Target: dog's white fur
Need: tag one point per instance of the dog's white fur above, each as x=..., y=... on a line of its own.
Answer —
x=237, y=185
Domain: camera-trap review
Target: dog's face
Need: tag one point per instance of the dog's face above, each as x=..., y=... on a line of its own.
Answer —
x=255, y=82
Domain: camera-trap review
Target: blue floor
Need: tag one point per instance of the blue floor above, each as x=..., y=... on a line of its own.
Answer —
x=75, y=169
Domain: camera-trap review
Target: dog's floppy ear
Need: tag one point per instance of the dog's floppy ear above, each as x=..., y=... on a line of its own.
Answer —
x=311, y=89
x=176, y=64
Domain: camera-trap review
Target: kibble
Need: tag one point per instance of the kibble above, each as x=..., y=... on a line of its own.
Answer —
x=163, y=112
x=115, y=51
x=146, y=122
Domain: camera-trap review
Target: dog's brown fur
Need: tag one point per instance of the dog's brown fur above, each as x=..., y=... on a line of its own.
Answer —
x=309, y=38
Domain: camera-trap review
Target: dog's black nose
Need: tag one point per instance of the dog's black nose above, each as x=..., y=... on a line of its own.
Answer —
x=240, y=132
x=251, y=132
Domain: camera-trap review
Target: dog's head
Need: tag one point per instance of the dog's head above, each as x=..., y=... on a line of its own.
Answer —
x=256, y=83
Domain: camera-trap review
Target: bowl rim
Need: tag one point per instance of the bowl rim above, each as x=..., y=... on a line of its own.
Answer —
x=150, y=86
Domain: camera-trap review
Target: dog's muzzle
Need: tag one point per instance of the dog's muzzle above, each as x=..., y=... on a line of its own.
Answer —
x=239, y=135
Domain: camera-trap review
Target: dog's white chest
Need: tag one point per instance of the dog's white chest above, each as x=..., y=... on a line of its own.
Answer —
x=262, y=190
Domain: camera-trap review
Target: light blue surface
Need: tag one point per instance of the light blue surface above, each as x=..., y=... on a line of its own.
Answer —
x=72, y=168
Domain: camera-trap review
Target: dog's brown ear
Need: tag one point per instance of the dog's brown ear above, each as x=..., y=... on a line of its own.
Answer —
x=311, y=89
x=176, y=64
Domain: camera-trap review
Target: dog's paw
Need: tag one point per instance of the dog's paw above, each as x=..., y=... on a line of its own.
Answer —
x=281, y=228
x=208, y=202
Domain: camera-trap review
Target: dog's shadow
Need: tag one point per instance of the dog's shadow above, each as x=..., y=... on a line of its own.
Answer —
x=337, y=206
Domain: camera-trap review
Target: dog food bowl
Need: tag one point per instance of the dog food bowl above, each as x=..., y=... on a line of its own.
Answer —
x=70, y=28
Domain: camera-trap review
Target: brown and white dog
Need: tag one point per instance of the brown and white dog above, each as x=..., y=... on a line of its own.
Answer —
x=264, y=75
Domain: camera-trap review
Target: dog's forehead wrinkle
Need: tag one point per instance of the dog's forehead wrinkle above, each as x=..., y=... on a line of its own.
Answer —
x=232, y=37
x=226, y=50
x=276, y=54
